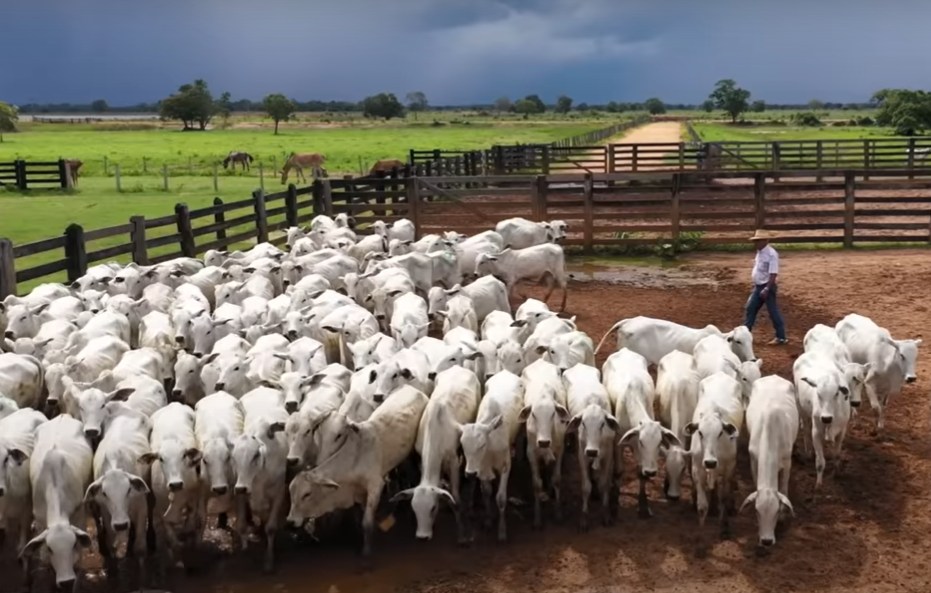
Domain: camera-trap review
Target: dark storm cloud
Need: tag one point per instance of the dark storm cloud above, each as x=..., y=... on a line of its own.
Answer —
x=460, y=51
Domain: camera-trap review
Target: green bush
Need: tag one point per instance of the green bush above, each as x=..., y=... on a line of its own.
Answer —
x=807, y=119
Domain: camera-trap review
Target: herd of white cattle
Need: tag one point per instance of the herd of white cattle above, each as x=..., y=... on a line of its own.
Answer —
x=281, y=387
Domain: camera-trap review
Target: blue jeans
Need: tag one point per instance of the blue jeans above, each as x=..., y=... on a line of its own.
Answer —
x=755, y=303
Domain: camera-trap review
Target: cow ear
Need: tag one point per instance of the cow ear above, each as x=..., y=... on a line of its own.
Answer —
x=372, y=376
x=34, y=545
x=445, y=495
x=407, y=374
x=562, y=412
x=193, y=456
x=138, y=484
x=670, y=438
x=573, y=424
x=844, y=390
x=496, y=422
x=747, y=501
x=630, y=435
x=120, y=395
x=148, y=458
x=274, y=428
x=810, y=382
x=18, y=456
x=541, y=350
x=81, y=536
x=785, y=501
x=92, y=491
x=690, y=428
x=730, y=428
x=524, y=414
x=519, y=323
x=612, y=423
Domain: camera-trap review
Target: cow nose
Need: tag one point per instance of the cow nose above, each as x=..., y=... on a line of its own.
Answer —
x=672, y=497
x=179, y=339
x=423, y=538
x=292, y=334
x=911, y=379
x=220, y=386
x=711, y=463
x=240, y=490
x=95, y=311
x=591, y=453
x=91, y=433
x=543, y=444
x=378, y=398
x=2, y=491
x=380, y=317
x=767, y=542
x=292, y=461
x=827, y=419
x=431, y=376
x=290, y=407
x=471, y=474
x=121, y=526
x=175, y=486
x=10, y=335
x=176, y=393
x=855, y=404
x=65, y=585
x=562, y=370
x=431, y=316
x=649, y=473
x=219, y=490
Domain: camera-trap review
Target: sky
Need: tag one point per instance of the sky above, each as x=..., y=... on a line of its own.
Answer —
x=462, y=51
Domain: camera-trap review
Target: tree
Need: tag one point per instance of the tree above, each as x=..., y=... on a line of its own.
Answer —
x=503, y=104
x=9, y=114
x=279, y=108
x=384, y=105
x=525, y=107
x=613, y=107
x=758, y=106
x=582, y=107
x=416, y=102
x=708, y=106
x=192, y=104
x=563, y=104
x=654, y=106
x=816, y=105
x=538, y=105
x=907, y=111
x=225, y=106
x=730, y=98
x=100, y=106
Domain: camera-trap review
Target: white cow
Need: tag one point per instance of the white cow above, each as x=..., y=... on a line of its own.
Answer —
x=99, y=355
x=409, y=321
x=632, y=391
x=22, y=379
x=17, y=440
x=596, y=429
x=714, y=431
x=892, y=362
x=519, y=233
x=713, y=354
x=655, y=338
x=536, y=263
x=60, y=470
x=487, y=442
x=677, y=391
x=356, y=473
x=772, y=421
x=218, y=422
x=825, y=339
x=546, y=417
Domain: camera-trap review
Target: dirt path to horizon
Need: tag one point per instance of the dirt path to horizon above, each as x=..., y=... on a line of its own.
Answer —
x=662, y=131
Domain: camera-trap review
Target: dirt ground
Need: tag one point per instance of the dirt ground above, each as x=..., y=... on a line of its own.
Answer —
x=867, y=532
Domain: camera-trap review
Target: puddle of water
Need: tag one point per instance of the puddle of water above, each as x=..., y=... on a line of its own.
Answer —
x=652, y=273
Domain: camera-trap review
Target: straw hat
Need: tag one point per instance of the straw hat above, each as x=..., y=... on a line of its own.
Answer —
x=761, y=235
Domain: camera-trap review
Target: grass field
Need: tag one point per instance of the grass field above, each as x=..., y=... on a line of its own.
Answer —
x=719, y=132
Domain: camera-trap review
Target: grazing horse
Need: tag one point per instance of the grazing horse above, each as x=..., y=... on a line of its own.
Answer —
x=386, y=166
x=298, y=161
x=235, y=156
x=72, y=167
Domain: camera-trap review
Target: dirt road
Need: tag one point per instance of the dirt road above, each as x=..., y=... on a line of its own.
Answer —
x=663, y=131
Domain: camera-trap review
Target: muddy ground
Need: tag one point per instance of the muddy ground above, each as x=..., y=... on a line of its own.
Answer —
x=868, y=531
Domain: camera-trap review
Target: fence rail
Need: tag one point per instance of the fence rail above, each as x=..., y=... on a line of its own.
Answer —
x=28, y=174
x=850, y=206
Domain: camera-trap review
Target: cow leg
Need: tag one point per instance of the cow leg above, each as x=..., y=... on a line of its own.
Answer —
x=724, y=495
x=271, y=529
x=604, y=487
x=139, y=544
x=585, y=472
x=368, y=517
x=881, y=414
x=550, y=286
x=565, y=293
x=643, y=503
x=537, y=484
x=557, y=486
x=838, y=449
x=242, y=524
x=701, y=497
x=806, y=436
x=501, y=498
x=460, y=511
x=818, y=443
x=487, y=491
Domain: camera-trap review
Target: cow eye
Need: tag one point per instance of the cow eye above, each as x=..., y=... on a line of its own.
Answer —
x=256, y=456
x=305, y=496
x=190, y=371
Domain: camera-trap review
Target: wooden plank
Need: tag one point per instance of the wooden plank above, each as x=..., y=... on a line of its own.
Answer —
x=892, y=212
x=8, y=274
x=892, y=238
x=162, y=241
x=635, y=228
x=75, y=253
x=38, y=246
x=805, y=201
x=710, y=228
x=230, y=240
x=104, y=254
x=41, y=270
x=891, y=226
x=151, y=223
x=123, y=229
x=137, y=237
x=807, y=214
x=893, y=200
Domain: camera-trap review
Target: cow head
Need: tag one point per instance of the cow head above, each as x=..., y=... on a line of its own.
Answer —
x=770, y=505
x=646, y=439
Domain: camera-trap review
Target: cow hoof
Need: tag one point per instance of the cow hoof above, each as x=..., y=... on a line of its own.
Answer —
x=645, y=514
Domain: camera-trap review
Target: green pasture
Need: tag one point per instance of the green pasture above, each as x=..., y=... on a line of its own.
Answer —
x=720, y=132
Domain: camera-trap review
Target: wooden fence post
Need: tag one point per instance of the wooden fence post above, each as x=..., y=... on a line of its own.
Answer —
x=759, y=199
x=7, y=269
x=137, y=236
x=633, y=158
x=539, y=197
x=849, y=195
x=911, y=158
x=317, y=193
x=546, y=160
x=261, y=219
x=63, y=174
x=261, y=177
x=19, y=166
x=216, y=177
x=75, y=252
x=867, y=161
x=675, y=214
x=819, y=155
x=165, y=177
x=588, y=186
x=413, y=204
x=185, y=232
x=219, y=217
x=116, y=175
x=328, y=198
x=290, y=205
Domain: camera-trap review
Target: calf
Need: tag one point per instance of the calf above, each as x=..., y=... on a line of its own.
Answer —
x=772, y=421
x=533, y=263
x=409, y=321
x=825, y=339
x=487, y=443
x=632, y=390
x=60, y=470
x=546, y=416
x=714, y=430
x=454, y=402
x=597, y=429
x=355, y=473
x=655, y=338
x=677, y=390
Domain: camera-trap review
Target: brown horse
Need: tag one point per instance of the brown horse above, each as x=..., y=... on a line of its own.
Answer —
x=386, y=166
x=72, y=167
x=298, y=161
x=235, y=156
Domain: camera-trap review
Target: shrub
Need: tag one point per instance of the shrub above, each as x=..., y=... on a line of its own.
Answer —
x=807, y=119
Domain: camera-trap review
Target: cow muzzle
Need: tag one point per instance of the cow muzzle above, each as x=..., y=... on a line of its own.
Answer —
x=767, y=542
x=219, y=490
x=122, y=526
x=221, y=386
x=241, y=490
x=827, y=419
x=543, y=443
x=10, y=335
x=711, y=463
x=175, y=486
x=651, y=473
x=911, y=379
x=290, y=407
x=591, y=453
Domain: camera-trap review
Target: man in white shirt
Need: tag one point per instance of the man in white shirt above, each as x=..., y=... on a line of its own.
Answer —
x=764, y=276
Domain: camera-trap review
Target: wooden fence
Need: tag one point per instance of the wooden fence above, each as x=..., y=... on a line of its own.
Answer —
x=26, y=175
x=618, y=209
